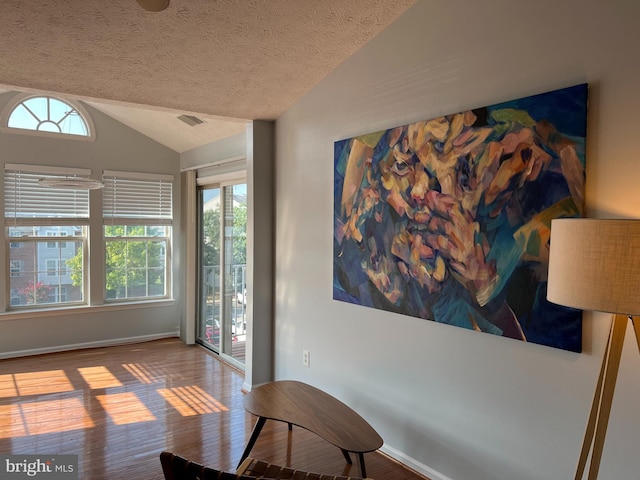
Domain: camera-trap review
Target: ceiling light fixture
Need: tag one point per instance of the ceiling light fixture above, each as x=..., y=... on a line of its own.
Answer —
x=153, y=5
x=71, y=183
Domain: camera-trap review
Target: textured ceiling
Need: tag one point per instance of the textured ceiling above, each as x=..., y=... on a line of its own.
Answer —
x=244, y=59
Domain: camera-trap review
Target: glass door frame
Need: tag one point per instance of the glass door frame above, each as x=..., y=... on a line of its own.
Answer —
x=227, y=308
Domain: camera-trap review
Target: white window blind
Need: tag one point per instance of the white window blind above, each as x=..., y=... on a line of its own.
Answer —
x=26, y=201
x=130, y=197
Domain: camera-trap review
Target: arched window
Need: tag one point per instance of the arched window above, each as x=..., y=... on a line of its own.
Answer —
x=48, y=115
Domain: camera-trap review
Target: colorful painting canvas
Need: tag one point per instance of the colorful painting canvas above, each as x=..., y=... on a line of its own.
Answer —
x=449, y=219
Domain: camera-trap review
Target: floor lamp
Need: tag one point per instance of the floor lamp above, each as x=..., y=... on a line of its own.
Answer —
x=595, y=265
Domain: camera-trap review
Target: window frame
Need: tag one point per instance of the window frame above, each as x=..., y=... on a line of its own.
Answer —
x=14, y=294
x=42, y=270
x=52, y=244
x=166, y=239
x=49, y=271
x=20, y=98
x=121, y=208
x=17, y=270
x=41, y=231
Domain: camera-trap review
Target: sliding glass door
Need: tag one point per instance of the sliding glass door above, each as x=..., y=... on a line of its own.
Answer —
x=222, y=280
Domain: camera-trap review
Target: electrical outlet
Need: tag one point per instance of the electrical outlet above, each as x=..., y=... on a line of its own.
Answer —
x=305, y=358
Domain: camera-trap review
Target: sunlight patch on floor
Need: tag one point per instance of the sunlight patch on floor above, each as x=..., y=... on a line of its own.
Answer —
x=192, y=400
x=125, y=408
x=99, y=377
x=49, y=416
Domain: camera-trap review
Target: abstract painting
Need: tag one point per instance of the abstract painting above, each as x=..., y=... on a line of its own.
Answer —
x=449, y=219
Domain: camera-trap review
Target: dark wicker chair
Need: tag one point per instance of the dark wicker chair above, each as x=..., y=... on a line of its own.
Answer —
x=176, y=467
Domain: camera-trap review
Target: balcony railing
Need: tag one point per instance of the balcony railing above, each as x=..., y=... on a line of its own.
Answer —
x=235, y=296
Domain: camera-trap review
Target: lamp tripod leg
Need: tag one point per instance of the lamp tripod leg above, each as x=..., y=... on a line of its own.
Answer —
x=593, y=415
x=601, y=406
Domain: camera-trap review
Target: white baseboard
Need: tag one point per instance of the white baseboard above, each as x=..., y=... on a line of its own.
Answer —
x=78, y=346
x=413, y=464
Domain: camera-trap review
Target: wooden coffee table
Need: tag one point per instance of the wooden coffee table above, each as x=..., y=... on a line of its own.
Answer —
x=297, y=403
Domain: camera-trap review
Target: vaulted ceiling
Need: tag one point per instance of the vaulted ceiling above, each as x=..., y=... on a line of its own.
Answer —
x=224, y=61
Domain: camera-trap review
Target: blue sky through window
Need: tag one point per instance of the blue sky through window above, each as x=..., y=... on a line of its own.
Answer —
x=48, y=114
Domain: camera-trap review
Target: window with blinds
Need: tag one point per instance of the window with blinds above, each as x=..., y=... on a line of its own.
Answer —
x=47, y=231
x=26, y=201
x=137, y=197
x=137, y=216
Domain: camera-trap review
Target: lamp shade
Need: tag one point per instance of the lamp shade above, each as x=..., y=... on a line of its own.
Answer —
x=595, y=265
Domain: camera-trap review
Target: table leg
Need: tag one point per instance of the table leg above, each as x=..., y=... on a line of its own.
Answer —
x=346, y=456
x=254, y=436
x=289, y=442
x=363, y=470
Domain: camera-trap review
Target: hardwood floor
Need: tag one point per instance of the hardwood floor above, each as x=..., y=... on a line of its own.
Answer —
x=117, y=408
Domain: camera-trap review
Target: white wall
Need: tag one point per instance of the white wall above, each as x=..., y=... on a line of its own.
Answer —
x=116, y=147
x=450, y=402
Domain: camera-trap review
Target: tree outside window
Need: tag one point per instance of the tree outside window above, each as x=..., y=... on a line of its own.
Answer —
x=135, y=261
x=211, y=227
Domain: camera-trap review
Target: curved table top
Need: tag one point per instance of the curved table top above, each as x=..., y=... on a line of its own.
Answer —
x=312, y=409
